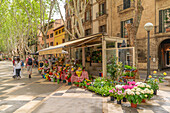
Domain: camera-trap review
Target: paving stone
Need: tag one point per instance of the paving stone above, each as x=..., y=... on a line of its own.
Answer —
x=38, y=98
x=58, y=94
x=36, y=89
x=71, y=105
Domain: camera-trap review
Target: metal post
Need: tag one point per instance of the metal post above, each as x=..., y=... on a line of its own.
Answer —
x=148, y=59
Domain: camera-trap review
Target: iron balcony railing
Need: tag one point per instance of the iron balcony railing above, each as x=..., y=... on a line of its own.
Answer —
x=98, y=14
x=124, y=6
x=161, y=29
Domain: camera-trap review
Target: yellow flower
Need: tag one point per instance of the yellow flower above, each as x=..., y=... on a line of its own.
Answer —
x=154, y=72
x=164, y=73
x=150, y=76
x=156, y=80
x=146, y=95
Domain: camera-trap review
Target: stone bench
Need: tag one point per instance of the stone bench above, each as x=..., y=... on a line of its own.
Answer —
x=168, y=80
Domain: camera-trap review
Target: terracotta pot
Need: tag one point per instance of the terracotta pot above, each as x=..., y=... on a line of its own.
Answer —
x=167, y=29
x=133, y=105
x=143, y=101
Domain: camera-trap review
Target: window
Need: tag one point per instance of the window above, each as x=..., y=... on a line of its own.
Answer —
x=102, y=9
x=63, y=30
x=51, y=43
x=56, y=33
x=59, y=31
x=124, y=33
x=51, y=35
x=63, y=40
x=87, y=15
x=47, y=36
x=126, y=4
x=102, y=28
x=56, y=43
x=47, y=44
x=164, y=20
x=87, y=32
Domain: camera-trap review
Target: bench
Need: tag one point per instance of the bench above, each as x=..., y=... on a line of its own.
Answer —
x=168, y=80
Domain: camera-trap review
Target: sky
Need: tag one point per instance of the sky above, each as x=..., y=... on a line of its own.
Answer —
x=57, y=16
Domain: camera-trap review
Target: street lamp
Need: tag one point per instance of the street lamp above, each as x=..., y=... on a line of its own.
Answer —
x=148, y=27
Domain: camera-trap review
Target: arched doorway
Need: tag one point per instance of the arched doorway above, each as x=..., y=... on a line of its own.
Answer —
x=164, y=54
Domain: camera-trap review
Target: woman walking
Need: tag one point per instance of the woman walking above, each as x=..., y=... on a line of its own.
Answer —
x=18, y=68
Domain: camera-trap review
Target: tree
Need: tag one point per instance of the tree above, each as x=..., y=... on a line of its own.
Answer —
x=77, y=9
x=133, y=29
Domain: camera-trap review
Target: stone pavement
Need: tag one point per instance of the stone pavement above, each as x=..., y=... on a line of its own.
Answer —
x=37, y=95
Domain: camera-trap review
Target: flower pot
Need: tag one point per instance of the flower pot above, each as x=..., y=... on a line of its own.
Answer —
x=155, y=92
x=64, y=81
x=133, y=105
x=69, y=83
x=143, y=101
x=119, y=102
x=167, y=29
x=124, y=99
x=112, y=98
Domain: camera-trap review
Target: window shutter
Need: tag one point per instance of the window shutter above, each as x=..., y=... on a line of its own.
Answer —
x=160, y=21
x=122, y=29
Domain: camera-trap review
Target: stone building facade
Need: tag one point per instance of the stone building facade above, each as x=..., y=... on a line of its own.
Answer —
x=111, y=16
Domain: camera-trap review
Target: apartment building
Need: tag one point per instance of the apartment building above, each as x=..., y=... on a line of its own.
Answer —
x=111, y=16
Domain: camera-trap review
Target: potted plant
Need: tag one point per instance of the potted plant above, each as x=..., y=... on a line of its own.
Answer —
x=154, y=81
x=119, y=96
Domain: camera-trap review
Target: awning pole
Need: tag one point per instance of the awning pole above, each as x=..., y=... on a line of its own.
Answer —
x=104, y=56
x=83, y=56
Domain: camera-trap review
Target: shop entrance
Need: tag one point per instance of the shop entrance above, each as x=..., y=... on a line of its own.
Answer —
x=164, y=54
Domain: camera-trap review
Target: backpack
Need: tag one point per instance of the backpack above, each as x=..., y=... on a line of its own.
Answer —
x=29, y=61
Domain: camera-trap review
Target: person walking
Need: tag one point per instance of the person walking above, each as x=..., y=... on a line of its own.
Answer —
x=29, y=65
x=18, y=68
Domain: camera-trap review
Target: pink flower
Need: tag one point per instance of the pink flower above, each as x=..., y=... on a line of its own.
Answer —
x=110, y=91
x=131, y=87
x=88, y=84
x=133, y=82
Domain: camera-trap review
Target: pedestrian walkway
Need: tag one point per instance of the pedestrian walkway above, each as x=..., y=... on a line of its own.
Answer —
x=38, y=95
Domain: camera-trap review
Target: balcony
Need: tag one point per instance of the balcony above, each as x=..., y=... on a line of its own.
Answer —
x=163, y=31
x=99, y=14
x=126, y=7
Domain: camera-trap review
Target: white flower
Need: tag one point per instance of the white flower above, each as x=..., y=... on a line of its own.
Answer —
x=151, y=91
x=138, y=83
x=118, y=86
x=132, y=93
x=146, y=95
x=133, y=89
x=138, y=89
x=148, y=86
x=137, y=93
x=142, y=91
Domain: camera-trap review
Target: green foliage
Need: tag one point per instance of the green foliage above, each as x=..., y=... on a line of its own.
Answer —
x=114, y=70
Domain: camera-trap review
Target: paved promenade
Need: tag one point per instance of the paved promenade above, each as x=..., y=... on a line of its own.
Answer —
x=37, y=95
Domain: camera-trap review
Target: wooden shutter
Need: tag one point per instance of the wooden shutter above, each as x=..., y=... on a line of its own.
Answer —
x=160, y=21
x=122, y=27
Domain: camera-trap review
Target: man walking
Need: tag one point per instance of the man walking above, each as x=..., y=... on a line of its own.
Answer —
x=29, y=65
